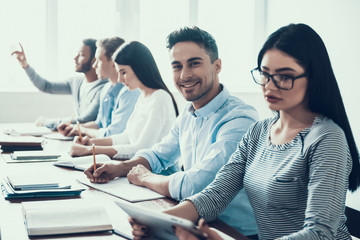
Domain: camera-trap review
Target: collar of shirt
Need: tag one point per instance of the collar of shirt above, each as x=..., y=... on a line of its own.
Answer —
x=212, y=106
x=114, y=90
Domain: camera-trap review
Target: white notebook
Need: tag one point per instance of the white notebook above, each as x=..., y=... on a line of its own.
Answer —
x=65, y=217
x=28, y=131
x=121, y=188
x=28, y=155
x=28, y=181
x=81, y=163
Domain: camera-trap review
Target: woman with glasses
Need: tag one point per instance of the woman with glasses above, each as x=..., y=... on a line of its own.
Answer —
x=297, y=166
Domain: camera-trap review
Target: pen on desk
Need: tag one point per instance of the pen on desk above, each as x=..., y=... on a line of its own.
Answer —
x=93, y=148
x=78, y=124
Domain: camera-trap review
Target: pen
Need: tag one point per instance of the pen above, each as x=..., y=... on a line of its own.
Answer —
x=78, y=124
x=93, y=148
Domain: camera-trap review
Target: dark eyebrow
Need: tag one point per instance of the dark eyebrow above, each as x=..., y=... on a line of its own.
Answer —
x=175, y=62
x=280, y=69
x=189, y=60
x=194, y=59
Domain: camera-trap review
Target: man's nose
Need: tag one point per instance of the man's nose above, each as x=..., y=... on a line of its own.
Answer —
x=185, y=74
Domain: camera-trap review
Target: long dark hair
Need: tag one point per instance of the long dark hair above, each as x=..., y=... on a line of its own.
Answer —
x=139, y=58
x=306, y=46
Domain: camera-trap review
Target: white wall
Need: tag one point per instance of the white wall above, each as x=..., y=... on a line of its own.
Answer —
x=27, y=106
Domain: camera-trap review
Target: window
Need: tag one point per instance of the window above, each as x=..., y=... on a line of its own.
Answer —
x=19, y=24
x=337, y=24
x=78, y=20
x=156, y=25
x=232, y=25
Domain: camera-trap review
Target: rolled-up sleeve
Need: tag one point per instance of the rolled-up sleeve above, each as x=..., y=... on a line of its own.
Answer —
x=187, y=183
x=164, y=154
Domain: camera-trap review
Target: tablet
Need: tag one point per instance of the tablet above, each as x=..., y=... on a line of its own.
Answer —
x=160, y=223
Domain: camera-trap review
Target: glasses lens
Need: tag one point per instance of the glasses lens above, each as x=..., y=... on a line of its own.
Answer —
x=283, y=81
x=258, y=76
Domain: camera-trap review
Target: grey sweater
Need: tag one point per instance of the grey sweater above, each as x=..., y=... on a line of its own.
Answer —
x=87, y=106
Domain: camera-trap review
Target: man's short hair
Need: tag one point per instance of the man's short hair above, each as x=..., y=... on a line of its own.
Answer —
x=202, y=38
x=91, y=43
x=110, y=45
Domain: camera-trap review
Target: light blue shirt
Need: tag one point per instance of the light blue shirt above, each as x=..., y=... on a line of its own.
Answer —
x=108, y=96
x=122, y=109
x=204, y=141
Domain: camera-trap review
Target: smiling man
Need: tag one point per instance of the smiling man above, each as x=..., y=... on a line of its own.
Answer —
x=204, y=136
x=85, y=89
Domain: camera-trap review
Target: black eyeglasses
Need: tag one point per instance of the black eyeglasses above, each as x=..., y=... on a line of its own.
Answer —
x=281, y=81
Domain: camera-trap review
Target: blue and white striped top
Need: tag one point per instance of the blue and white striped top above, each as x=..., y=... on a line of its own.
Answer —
x=297, y=189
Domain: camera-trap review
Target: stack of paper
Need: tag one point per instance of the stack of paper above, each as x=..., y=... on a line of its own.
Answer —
x=65, y=217
x=29, y=186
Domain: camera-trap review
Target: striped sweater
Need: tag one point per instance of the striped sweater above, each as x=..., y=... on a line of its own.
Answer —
x=297, y=189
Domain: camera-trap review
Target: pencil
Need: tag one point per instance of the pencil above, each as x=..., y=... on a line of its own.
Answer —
x=93, y=148
x=78, y=124
x=70, y=121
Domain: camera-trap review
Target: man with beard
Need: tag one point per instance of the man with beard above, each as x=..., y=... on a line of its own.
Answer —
x=85, y=89
x=204, y=136
x=117, y=102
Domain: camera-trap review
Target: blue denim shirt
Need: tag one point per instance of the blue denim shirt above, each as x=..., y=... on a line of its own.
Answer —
x=115, y=109
x=204, y=140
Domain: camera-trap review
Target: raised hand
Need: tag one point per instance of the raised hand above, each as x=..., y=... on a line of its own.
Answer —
x=20, y=56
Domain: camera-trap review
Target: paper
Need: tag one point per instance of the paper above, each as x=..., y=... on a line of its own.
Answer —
x=28, y=131
x=121, y=188
x=58, y=136
x=81, y=163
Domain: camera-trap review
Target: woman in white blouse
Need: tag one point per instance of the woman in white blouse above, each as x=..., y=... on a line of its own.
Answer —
x=154, y=112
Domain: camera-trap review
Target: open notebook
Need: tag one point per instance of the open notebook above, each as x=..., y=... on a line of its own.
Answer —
x=81, y=163
x=121, y=188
